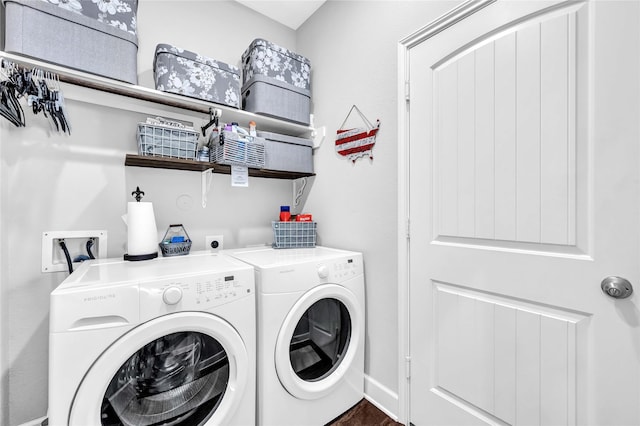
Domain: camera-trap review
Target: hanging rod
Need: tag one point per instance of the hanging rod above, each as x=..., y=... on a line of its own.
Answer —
x=91, y=81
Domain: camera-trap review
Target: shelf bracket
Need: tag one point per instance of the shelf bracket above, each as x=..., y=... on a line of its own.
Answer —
x=206, y=178
x=301, y=188
x=318, y=136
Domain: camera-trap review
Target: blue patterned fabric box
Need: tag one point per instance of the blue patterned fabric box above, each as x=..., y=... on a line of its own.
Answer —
x=190, y=74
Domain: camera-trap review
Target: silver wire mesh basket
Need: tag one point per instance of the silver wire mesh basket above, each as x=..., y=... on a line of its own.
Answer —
x=237, y=149
x=163, y=138
x=294, y=234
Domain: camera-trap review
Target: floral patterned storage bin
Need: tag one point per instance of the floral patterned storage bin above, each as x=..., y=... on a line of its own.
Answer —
x=265, y=58
x=187, y=73
x=120, y=14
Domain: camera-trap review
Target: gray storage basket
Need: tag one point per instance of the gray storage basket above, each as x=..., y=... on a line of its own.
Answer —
x=163, y=138
x=237, y=149
x=294, y=234
x=287, y=153
x=274, y=98
x=51, y=33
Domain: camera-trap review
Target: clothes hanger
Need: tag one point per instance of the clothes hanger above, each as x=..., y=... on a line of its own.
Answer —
x=9, y=108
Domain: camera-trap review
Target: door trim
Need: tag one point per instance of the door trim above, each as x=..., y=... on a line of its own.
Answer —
x=462, y=11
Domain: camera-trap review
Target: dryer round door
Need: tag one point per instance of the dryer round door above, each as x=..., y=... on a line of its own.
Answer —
x=188, y=368
x=318, y=341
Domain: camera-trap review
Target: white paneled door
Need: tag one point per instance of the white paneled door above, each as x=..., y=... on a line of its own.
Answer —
x=524, y=194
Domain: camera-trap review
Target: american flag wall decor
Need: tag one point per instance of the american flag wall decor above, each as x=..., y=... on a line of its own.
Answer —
x=356, y=142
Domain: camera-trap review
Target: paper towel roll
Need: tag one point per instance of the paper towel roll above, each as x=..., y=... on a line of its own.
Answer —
x=142, y=235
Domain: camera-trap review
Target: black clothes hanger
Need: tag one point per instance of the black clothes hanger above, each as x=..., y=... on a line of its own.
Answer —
x=9, y=106
x=40, y=88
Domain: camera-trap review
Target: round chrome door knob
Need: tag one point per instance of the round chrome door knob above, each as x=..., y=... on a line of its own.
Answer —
x=616, y=287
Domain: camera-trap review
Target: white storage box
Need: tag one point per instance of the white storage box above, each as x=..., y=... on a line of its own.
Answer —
x=75, y=35
x=187, y=73
x=287, y=153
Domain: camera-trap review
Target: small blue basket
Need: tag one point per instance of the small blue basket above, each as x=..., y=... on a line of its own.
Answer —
x=176, y=241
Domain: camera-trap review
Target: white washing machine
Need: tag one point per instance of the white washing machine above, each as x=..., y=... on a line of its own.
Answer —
x=311, y=328
x=169, y=341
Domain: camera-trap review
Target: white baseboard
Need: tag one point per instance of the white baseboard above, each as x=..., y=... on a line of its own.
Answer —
x=381, y=396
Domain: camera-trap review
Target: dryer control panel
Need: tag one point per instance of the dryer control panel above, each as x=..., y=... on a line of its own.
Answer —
x=194, y=293
x=340, y=270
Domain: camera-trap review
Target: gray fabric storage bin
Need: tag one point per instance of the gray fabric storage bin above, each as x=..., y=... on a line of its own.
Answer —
x=287, y=153
x=268, y=96
x=190, y=74
x=69, y=38
x=265, y=58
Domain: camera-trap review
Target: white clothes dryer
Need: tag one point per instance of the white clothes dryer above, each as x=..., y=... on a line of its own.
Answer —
x=169, y=341
x=311, y=328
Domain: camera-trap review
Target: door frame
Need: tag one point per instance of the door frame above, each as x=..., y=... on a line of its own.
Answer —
x=458, y=13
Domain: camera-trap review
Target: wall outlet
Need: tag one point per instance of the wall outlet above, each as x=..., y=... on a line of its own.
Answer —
x=53, y=258
x=213, y=242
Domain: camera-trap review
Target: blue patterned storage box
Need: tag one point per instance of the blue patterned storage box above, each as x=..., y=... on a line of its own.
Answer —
x=276, y=82
x=187, y=73
x=96, y=37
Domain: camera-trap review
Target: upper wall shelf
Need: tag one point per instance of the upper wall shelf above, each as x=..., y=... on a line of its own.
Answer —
x=91, y=81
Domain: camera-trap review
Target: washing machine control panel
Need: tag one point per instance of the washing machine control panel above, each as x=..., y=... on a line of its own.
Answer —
x=198, y=292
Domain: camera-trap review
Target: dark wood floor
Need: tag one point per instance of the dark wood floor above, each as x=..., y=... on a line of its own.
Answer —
x=364, y=414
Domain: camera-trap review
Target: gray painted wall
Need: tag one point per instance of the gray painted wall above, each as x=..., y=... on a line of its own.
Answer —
x=353, y=46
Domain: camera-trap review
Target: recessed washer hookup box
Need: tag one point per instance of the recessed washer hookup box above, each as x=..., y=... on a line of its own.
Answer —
x=76, y=35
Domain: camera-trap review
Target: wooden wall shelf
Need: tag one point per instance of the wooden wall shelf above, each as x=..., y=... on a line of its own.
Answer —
x=200, y=166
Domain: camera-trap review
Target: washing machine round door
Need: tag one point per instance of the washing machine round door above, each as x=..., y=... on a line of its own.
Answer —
x=186, y=369
x=318, y=341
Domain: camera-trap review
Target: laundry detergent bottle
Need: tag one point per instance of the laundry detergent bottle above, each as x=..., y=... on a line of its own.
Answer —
x=285, y=214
